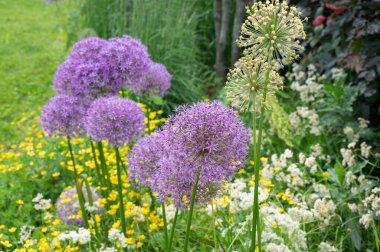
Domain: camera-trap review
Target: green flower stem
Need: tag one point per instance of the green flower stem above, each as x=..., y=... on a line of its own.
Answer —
x=78, y=186
x=257, y=154
x=172, y=231
x=213, y=228
x=120, y=192
x=105, y=172
x=98, y=173
x=91, y=202
x=165, y=225
x=193, y=194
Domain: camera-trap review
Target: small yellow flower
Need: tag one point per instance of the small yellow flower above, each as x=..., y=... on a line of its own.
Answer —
x=44, y=229
x=12, y=229
x=139, y=244
x=56, y=174
x=6, y=244
x=20, y=202
x=326, y=174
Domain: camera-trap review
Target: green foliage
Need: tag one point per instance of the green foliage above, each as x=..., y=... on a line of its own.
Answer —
x=30, y=49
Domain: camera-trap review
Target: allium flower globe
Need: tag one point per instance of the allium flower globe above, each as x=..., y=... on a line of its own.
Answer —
x=62, y=116
x=144, y=158
x=68, y=205
x=126, y=60
x=155, y=82
x=87, y=50
x=272, y=31
x=62, y=81
x=208, y=136
x=116, y=120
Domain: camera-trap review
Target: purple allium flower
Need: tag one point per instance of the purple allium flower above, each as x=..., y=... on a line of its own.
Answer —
x=126, y=60
x=208, y=136
x=117, y=120
x=143, y=158
x=156, y=82
x=68, y=205
x=62, y=116
x=62, y=81
x=88, y=50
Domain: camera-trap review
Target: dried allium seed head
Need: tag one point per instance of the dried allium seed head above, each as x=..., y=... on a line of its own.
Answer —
x=246, y=82
x=272, y=32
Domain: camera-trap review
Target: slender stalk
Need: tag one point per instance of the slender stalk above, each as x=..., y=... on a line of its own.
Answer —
x=165, y=225
x=213, y=227
x=172, y=231
x=98, y=173
x=91, y=203
x=120, y=191
x=193, y=194
x=257, y=154
x=78, y=186
x=103, y=165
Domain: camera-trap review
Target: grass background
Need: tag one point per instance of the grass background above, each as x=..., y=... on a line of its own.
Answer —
x=31, y=46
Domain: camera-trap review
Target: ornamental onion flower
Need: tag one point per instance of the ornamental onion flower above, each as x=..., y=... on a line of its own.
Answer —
x=117, y=120
x=247, y=82
x=87, y=50
x=126, y=60
x=272, y=32
x=68, y=207
x=62, y=116
x=207, y=136
x=155, y=82
x=143, y=158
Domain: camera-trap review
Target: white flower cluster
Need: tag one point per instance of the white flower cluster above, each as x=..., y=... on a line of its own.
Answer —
x=169, y=210
x=326, y=247
x=305, y=117
x=338, y=73
x=95, y=207
x=40, y=203
x=25, y=233
x=83, y=236
x=115, y=235
x=372, y=206
x=107, y=249
x=307, y=83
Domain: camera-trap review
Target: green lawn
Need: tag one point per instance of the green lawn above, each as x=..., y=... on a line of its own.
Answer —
x=31, y=47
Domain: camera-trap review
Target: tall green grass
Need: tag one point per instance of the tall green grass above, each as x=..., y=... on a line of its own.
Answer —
x=173, y=30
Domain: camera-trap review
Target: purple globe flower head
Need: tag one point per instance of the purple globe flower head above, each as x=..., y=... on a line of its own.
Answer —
x=143, y=158
x=156, y=81
x=117, y=120
x=62, y=81
x=87, y=50
x=62, y=116
x=208, y=136
x=90, y=82
x=126, y=60
x=68, y=205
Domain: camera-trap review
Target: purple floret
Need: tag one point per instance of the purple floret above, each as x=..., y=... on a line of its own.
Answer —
x=63, y=116
x=156, y=82
x=68, y=205
x=116, y=120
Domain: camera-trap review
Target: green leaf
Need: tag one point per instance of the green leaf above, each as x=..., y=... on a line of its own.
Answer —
x=340, y=172
x=157, y=100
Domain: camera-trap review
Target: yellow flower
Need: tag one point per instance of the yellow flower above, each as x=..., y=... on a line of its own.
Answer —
x=6, y=244
x=20, y=202
x=326, y=174
x=12, y=229
x=139, y=244
x=56, y=174
x=44, y=229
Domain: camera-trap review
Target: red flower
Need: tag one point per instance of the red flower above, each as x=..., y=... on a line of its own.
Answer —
x=337, y=10
x=331, y=6
x=319, y=21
